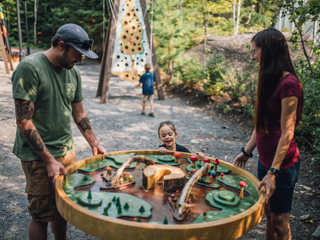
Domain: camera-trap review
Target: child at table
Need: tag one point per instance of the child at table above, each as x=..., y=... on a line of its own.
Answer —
x=168, y=134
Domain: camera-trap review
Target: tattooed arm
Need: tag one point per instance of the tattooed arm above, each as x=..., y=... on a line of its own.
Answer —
x=24, y=113
x=81, y=118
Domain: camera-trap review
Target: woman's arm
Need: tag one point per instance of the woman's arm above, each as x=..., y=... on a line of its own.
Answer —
x=241, y=159
x=289, y=107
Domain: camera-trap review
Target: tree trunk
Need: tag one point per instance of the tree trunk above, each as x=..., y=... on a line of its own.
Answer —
x=173, y=178
x=234, y=15
x=205, y=37
x=249, y=17
x=238, y=18
x=8, y=20
x=170, y=61
x=315, y=29
x=36, y=5
x=258, y=6
x=280, y=19
x=303, y=47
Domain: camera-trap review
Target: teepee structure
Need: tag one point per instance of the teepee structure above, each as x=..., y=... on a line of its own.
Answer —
x=128, y=46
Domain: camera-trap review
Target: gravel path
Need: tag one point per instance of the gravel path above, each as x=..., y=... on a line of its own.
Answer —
x=119, y=126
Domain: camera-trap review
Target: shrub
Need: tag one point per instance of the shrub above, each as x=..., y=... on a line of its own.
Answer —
x=308, y=133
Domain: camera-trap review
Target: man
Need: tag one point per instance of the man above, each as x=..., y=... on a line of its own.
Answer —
x=47, y=91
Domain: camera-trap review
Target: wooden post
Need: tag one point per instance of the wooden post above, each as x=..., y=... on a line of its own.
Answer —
x=105, y=73
x=154, y=57
x=10, y=62
x=4, y=52
x=103, y=63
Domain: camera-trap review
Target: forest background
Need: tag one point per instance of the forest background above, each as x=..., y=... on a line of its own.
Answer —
x=180, y=25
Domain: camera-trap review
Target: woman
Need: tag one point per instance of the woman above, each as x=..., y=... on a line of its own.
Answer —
x=278, y=109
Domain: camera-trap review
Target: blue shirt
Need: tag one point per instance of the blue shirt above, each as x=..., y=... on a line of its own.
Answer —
x=147, y=80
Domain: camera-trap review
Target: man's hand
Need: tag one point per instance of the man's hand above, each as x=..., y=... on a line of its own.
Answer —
x=99, y=150
x=54, y=169
x=138, y=84
x=269, y=182
x=163, y=149
x=240, y=160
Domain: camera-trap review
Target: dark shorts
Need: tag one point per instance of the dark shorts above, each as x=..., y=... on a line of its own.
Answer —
x=40, y=190
x=281, y=200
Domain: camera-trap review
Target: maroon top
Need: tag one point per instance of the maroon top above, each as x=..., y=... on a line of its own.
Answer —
x=267, y=145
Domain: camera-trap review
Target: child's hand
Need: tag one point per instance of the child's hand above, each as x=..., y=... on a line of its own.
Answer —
x=201, y=154
x=163, y=149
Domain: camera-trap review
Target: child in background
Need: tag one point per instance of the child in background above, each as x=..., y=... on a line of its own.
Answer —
x=147, y=81
x=167, y=134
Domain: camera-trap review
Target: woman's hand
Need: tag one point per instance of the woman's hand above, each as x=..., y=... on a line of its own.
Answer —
x=240, y=160
x=163, y=149
x=269, y=182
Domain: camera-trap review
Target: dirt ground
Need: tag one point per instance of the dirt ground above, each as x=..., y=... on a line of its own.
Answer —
x=118, y=125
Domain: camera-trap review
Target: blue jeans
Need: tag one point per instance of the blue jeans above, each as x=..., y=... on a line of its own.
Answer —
x=281, y=200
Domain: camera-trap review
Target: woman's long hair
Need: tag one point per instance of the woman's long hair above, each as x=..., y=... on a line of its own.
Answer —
x=275, y=59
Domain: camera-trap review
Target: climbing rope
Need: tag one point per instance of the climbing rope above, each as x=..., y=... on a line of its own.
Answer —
x=146, y=9
x=113, y=12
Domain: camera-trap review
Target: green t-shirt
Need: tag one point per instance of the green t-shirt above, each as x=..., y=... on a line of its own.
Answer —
x=52, y=90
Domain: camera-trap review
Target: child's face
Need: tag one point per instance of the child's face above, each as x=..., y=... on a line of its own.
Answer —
x=167, y=136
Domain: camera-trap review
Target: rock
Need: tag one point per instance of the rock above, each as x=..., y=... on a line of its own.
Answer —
x=305, y=217
x=317, y=233
x=194, y=141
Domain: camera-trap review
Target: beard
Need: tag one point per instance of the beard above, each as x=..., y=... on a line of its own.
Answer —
x=65, y=62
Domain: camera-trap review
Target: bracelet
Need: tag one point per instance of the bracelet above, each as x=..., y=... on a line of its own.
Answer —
x=246, y=154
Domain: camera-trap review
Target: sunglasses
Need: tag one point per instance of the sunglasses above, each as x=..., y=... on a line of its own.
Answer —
x=86, y=44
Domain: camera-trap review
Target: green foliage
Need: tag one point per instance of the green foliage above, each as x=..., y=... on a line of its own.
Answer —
x=224, y=108
x=308, y=70
x=218, y=15
x=189, y=72
x=305, y=11
x=50, y=16
x=172, y=31
x=225, y=79
x=308, y=133
x=217, y=78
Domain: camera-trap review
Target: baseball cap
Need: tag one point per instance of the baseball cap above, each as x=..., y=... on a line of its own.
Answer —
x=75, y=36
